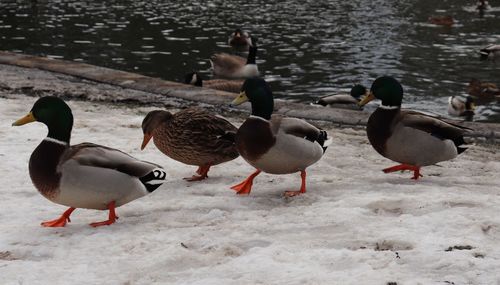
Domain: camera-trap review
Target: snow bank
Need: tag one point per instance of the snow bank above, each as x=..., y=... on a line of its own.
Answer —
x=355, y=225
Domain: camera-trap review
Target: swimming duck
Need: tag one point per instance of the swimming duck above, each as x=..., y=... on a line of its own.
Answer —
x=490, y=52
x=277, y=144
x=85, y=175
x=192, y=136
x=480, y=89
x=410, y=138
x=458, y=107
x=240, y=39
x=442, y=20
x=482, y=5
x=343, y=100
x=233, y=66
x=194, y=78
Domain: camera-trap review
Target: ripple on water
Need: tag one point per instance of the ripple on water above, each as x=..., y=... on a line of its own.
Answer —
x=308, y=49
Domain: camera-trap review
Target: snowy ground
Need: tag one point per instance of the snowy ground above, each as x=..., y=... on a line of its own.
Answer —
x=355, y=225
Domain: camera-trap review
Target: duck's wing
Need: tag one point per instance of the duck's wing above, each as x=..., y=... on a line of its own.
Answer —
x=435, y=127
x=227, y=62
x=300, y=128
x=89, y=154
x=337, y=99
x=491, y=48
x=233, y=86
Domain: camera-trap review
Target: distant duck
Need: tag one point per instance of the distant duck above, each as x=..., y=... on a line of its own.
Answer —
x=192, y=136
x=277, y=144
x=460, y=108
x=483, y=5
x=194, y=78
x=240, y=39
x=408, y=137
x=343, y=100
x=232, y=66
x=480, y=89
x=442, y=20
x=85, y=175
x=490, y=52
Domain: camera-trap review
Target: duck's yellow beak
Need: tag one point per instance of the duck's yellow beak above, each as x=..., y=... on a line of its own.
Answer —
x=25, y=120
x=145, y=140
x=366, y=99
x=242, y=98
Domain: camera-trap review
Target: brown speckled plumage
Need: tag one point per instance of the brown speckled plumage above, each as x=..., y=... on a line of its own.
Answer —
x=233, y=86
x=193, y=136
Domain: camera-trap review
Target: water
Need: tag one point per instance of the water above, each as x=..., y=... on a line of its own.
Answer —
x=307, y=48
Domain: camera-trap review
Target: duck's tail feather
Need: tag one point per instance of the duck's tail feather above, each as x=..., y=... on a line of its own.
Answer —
x=324, y=140
x=153, y=179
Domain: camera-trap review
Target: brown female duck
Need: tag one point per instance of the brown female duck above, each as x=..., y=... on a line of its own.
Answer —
x=194, y=78
x=192, y=136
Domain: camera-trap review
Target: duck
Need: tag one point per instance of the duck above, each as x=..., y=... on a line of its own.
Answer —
x=192, y=136
x=272, y=143
x=194, y=78
x=410, y=138
x=240, y=39
x=233, y=66
x=460, y=108
x=442, y=20
x=85, y=175
x=343, y=100
x=479, y=89
x=482, y=5
x=490, y=52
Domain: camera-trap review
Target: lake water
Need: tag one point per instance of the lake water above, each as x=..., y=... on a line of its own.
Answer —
x=307, y=49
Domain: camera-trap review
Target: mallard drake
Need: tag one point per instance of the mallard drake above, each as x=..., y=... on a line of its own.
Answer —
x=480, y=89
x=277, y=144
x=192, y=136
x=491, y=51
x=194, y=78
x=458, y=107
x=240, y=39
x=410, y=138
x=343, y=100
x=233, y=66
x=85, y=175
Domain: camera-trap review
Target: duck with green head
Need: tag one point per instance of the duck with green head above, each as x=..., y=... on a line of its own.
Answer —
x=410, y=138
x=344, y=100
x=85, y=175
x=275, y=144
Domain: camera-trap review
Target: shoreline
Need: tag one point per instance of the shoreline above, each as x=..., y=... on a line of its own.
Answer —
x=20, y=69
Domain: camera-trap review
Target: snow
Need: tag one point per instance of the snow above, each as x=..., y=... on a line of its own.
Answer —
x=355, y=225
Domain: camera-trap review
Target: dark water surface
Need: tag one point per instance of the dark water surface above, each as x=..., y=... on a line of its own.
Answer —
x=307, y=48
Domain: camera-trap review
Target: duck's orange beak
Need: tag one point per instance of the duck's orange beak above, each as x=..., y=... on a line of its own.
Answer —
x=145, y=140
x=366, y=99
x=25, y=120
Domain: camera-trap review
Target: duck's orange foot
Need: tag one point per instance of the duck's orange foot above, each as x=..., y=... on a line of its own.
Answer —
x=195, y=178
x=246, y=185
x=103, y=223
x=61, y=222
x=403, y=167
x=111, y=219
x=292, y=193
x=302, y=186
x=202, y=174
